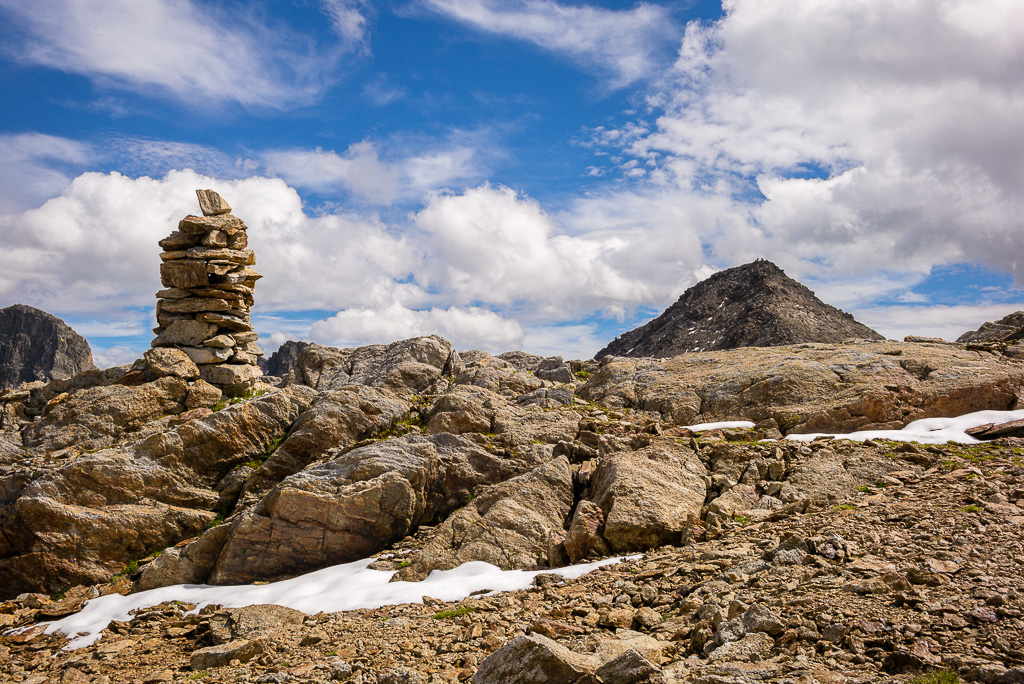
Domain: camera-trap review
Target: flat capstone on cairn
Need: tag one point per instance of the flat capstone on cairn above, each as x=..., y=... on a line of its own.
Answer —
x=204, y=310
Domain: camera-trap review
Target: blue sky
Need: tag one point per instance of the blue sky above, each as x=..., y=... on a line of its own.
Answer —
x=521, y=174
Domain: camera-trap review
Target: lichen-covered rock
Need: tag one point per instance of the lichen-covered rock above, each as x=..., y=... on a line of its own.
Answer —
x=507, y=525
x=97, y=417
x=648, y=496
x=336, y=418
x=813, y=387
x=355, y=504
x=408, y=366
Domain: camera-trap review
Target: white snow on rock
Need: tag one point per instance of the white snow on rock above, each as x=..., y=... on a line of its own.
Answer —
x=349, y=586
x=720, y=426
x=928, y=430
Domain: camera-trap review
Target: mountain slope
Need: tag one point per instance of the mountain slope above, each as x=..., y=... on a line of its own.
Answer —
x=754, y=305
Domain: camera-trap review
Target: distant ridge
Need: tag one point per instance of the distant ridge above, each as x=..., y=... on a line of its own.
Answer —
x=35, y=345
x=754, y=305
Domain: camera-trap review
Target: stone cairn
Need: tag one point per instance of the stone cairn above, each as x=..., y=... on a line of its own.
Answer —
x=204, y=310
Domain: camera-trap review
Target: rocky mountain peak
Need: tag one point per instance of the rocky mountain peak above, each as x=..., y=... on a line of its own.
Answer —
x=35, y=345
x=754, y=305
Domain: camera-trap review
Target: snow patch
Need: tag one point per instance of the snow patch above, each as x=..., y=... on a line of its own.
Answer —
x=348, y=586
x=720, y=426
x=927, y=430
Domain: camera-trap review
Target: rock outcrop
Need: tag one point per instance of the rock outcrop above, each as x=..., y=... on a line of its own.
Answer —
x=813, y=387
x=204, y=310
x=754, y=305
x=35, y=345
x=1005, y=335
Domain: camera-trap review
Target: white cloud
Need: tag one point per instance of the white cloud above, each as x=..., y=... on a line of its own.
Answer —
x=620, y=43
x=186, y=50
x=363, y=172
x=465, y=327
x=31, y=168
x=348, y=19
x=947, y=322
x=108, y=357
x=911, y=112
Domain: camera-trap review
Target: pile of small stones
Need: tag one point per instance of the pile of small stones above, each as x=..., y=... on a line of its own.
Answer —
x=209, y=283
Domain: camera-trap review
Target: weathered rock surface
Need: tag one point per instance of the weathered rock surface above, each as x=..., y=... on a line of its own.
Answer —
x=754, y=305
x=1006, y=329
x=35, y=345
x=814, y=387
x=407, y=366
x=355, y=504
x=508, y=525
x=648, y=497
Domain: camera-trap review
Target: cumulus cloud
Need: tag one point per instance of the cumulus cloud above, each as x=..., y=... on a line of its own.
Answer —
x=466, y=327
x=92, y=250
x=619, y=43
x=947, y=322
x=904, y=116
x=178, y=48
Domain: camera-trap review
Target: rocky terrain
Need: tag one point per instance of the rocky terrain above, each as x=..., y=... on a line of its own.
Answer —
x=754, y=305
x=1005, y=335
x=829, y=561
x=37, y=346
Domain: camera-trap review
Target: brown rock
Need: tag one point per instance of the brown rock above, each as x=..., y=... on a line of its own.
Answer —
x=648, y=496
x=584, y=538
x=212, y=204
x=187, y=332
x=184, y=273
x=535, y=658
x=202, y=395
x=163, y=362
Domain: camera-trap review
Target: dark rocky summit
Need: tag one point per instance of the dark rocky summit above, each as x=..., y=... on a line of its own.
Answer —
x=754, y=305
x=284, y=360
x=35, y=345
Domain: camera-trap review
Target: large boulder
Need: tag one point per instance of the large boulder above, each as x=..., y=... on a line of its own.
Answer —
x=509, y=525
x=648, y=496
x=536, y=659
x=337, y=418
x=35, y=345
x=355, y=504
x=814, y=387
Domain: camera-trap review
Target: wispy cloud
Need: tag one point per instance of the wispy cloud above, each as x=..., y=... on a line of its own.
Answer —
x=367, y=173
x=189, y=51
x=621, y=44
x=33, y=167
x=349, y=20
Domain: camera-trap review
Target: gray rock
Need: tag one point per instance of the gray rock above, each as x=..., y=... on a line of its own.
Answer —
x=536, y=659
x=355, y=504
x=223, y=654
x=508, y=525
x=753, y=647
x=648, y=496
x=35, y=345
x=188, y=332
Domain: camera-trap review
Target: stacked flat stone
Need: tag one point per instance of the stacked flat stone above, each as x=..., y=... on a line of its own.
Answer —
x=204, y=310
